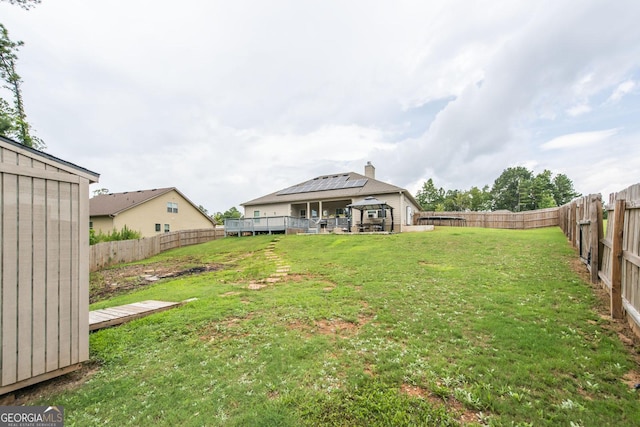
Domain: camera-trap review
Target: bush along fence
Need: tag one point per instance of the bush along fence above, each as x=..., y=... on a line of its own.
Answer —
x=511, y=220
x=105, y=254
x=614, y=260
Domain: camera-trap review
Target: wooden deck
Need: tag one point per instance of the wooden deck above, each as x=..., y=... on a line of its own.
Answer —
x=112, y=316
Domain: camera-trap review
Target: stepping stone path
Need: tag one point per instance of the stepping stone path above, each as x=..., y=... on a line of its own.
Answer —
x=282, y=270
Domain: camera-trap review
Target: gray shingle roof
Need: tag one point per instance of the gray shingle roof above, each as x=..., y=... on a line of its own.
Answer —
x=372, y=186
x=114, y=203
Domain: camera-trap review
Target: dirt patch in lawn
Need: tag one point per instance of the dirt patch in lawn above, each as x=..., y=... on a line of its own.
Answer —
x=464, y=414
x=105, y=284
x=41, y=391
x=223, y=330
x=336, y=327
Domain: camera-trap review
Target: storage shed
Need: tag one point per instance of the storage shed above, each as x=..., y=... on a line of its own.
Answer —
x=44, y=265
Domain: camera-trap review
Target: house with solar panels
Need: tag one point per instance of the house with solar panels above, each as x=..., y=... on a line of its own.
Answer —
x=339, y=202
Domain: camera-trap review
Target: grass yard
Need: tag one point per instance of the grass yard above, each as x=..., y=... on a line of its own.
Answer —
x=460, y=326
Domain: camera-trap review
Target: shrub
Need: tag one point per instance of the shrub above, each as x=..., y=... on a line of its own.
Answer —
x=125, y=234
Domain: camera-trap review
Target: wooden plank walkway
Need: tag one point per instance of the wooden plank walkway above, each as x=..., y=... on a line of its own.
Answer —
x=112, y=316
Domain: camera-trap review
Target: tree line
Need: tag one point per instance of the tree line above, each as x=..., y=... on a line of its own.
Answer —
x=517, y=189
x=13, y=118
x=219, y=217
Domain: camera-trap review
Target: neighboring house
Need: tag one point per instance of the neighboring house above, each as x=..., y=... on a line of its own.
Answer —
x=44, y=265
x=149, y=212
x=326, y=199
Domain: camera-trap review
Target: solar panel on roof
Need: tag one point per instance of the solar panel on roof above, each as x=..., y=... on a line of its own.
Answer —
x=336, y=182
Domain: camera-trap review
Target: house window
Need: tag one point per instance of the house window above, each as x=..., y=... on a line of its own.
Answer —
x=172, y=207
x=90, y=225
x=372, y=214
x=303, y=213
x=166, y=228
x=256, y=214
x=158, y=227
x=340, y=211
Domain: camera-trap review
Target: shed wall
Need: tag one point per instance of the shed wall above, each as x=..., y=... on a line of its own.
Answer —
x=44, y=279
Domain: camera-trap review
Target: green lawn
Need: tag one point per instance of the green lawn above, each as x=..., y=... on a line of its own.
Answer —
x=460, y=326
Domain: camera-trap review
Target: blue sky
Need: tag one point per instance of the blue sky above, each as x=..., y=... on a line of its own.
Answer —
x=229, y=101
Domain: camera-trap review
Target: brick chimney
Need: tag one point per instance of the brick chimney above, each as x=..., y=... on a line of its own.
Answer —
x=369, y=171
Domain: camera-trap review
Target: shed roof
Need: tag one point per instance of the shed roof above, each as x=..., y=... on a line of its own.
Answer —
x=49, y=159
x=314, y=189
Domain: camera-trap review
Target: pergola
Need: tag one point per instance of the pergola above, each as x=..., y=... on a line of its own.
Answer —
x=371, y=203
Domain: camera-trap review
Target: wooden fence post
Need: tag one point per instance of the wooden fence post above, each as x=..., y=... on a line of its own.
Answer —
x=594, y=237
x=572, y=223
x=600, y=232
x=616, y=261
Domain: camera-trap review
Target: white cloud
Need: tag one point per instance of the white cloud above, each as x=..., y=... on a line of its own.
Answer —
x=606, y=167
x=578, y=110
x=230, y=101
x=623, y=89
x=579, y=139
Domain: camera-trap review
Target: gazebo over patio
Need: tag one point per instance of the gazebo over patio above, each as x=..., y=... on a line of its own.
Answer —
x=376, y=222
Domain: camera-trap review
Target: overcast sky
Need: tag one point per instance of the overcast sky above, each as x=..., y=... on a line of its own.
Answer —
x=229, y=101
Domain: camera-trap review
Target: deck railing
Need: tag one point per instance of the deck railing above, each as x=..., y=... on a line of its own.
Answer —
x=269, y=225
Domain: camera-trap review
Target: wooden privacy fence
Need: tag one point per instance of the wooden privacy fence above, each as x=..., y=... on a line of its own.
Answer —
x=106, y=254
x=614, y=259
x=512, y=220
x=581, y=222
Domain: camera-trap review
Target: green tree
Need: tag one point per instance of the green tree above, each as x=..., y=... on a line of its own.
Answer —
x=6, y=118
x=25, y=4
x=563, y=191
x=457, y=200
x=429, y=196
x=231, y=213
x=546, y=201
x=510, y=188
x=100, y=191
x=516, y=189
x=480, y=199
x=19, y=129
x=540, y=192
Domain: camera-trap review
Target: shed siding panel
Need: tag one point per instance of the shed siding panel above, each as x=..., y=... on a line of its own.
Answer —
x=64, y=304
x=83, y=270
x=53, y=251
x=9, y=277
x=25, y=278
x=39, y=275
x=75, y=282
